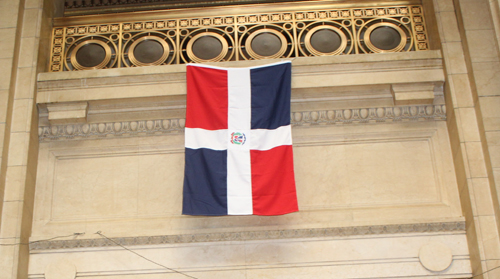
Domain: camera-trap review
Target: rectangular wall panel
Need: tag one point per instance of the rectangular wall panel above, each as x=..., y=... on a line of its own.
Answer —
x=346, y=176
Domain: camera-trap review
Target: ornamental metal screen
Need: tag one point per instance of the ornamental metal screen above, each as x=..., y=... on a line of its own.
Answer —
x=239, y=37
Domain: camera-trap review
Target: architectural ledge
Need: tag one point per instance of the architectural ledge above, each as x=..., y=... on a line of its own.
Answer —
x=67, y=112
x=318, y=83
x=457, y=226
x=135, y=128
x=308, y=72
x=99, y=7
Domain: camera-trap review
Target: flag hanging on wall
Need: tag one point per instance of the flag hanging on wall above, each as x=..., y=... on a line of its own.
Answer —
x=239, y=158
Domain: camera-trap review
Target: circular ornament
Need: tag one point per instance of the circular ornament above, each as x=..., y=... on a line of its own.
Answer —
x=148, y=51
x=435, y=256
x=207, y=47
x=385, y=37
x=91, y=54
x=265, y=44
x=325, y=40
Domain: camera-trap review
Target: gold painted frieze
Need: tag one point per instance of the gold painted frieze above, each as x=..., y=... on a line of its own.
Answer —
x=238, y=37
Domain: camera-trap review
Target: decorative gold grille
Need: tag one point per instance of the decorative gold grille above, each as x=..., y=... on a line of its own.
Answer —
x=239, y=37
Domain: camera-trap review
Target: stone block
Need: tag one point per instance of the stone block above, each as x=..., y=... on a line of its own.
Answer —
x=444, y=5
x=28, y=52
x=489, y=236
x=29, y=4
x=495, y=155
x=465, y=160
x=18, y=149
x=24, y=83
x=496, y=174
x=461, y=92
x=30, y=23
x=4, y=102
x=8, y=255
x=21, y=115
x=454, y=58
x=476, y=15
x=7, y=41
x=469, y=124
x=475, y=253
x=14, y=183
x=482, y=45
x=9, y=12
x=2, y=136
x=413, y=94
x=5, y=72
x=487, y=77
x=491, y=113
x=449, y=25
x=476, y=159
x=462, y=183
x=459, y=127
x=492, y=266
x=467, y=201
x=482, y=197
x=75, y=112
x=11, y=219
x=493, y=140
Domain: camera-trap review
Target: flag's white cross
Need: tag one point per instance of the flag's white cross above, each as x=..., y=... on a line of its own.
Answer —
x=257, y=139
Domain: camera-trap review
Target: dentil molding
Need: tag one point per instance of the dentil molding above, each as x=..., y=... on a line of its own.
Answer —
x=79, y=131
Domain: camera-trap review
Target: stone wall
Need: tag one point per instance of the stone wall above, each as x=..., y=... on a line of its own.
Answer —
x=388, y=186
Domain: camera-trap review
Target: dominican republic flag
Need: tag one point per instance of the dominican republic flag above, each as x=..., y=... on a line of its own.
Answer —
x=239, y=158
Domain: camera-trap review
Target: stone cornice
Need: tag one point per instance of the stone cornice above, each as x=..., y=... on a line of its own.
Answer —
x=332, y=73
x=75, y=8
x=126, y=8
x=168, y=126
x=251, y=235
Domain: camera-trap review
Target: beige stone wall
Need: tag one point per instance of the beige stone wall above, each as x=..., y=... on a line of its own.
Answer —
x=471, y=50
x=366, y=169
x=20, y=25
x=378, y=174
x=376, y=191
x=23, y=24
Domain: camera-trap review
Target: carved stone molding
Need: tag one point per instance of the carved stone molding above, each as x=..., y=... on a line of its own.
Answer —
x=251, y=235
x=167, y=126
x=112, y=129
x=370, y=115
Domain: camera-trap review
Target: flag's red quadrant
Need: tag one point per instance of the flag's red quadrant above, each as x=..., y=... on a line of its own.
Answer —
x=273, y=182
x=207, y=98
